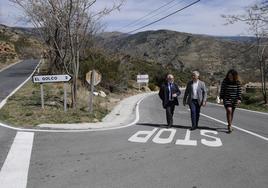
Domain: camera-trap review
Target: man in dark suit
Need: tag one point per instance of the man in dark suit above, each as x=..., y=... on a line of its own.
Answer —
x=168, y=93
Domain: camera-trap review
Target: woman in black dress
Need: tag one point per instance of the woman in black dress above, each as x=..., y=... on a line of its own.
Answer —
x=231, y=95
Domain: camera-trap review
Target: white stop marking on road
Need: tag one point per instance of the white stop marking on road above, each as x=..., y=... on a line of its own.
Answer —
x=187, y=141
x=209, y=139
x=142, y=136
x=159, y=140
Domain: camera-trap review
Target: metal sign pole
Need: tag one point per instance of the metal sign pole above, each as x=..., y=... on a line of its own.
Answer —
x=42, y=95
x=92, y=81
x=65, y=97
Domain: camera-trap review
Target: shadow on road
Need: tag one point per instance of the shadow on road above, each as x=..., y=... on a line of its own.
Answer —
x=225, y=130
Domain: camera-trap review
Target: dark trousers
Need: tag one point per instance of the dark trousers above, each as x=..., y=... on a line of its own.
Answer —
x=195, y=112
x=169, y=113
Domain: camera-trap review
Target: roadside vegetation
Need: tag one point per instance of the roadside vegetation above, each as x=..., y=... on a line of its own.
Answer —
x=251, y=101
x=15, y=45
x=117, y=71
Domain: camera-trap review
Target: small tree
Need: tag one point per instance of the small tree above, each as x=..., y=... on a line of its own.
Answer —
x=256, y=17
x=67, y=27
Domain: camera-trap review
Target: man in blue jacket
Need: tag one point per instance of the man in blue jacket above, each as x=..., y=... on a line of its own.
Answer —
x=168, y=93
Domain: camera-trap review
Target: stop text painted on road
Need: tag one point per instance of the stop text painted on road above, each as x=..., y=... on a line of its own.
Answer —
x=209, y=139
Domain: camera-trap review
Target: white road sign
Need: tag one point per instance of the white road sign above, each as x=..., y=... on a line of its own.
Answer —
x=51, y=78
x=143, y=78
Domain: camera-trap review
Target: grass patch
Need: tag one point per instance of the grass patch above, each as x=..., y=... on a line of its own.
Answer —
x=24, y=108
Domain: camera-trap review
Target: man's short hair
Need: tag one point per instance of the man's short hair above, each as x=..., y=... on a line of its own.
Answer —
x=170, y=75
x=196, y=73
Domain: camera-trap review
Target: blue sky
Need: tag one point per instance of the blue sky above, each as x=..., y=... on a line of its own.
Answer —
x=202, y=18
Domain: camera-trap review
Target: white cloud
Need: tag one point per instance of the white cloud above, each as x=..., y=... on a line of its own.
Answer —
x=11, y=15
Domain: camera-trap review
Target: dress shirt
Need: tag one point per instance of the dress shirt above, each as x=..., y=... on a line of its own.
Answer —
x=170, y=85
x=195, y=85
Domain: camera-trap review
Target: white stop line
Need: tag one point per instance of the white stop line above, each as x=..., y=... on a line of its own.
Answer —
x=14, y=172
x=144, y=136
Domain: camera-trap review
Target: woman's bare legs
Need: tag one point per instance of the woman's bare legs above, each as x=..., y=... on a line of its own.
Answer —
x=229, y=116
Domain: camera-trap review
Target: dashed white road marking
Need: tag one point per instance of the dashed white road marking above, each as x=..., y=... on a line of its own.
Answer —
x=241, y=129
x=14, y=173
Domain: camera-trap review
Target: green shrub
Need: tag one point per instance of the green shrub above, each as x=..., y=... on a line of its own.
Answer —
x=152, y=87
x=251, y=98
x=116, y=75
x=4, y=37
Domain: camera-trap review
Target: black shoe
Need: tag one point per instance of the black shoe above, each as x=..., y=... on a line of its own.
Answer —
x=192, y=128
x=230, y=129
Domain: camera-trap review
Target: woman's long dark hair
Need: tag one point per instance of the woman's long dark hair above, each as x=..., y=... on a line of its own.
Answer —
x=234, y=73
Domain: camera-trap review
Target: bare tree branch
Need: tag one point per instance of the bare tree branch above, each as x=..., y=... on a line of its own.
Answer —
x=67, y=27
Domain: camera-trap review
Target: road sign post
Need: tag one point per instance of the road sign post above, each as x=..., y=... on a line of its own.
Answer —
x=91, y=91
x=93, y=78
x=52, y=79
x=65, y=97
x=42, y=96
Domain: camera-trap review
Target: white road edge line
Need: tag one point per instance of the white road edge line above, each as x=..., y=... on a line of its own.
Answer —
x=14, y=172
x=11, y=65
x=242, y=109
x=3, y=102
x=243, y=130
x=82, y=130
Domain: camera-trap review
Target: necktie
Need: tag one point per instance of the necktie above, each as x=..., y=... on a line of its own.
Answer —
x=170, y=91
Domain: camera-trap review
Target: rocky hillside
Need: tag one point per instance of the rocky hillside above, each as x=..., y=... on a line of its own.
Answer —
x=16, y=43
x=183, y=51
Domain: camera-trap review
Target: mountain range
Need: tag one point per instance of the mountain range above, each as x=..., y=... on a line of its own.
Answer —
x=211, y=55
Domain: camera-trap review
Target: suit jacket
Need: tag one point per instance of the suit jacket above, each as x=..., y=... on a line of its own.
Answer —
x=164, y=94
x=201, y=93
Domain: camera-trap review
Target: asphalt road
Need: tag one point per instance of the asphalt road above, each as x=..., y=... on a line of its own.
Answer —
x=108, y=159
x=12, y=77
x=146, y=155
